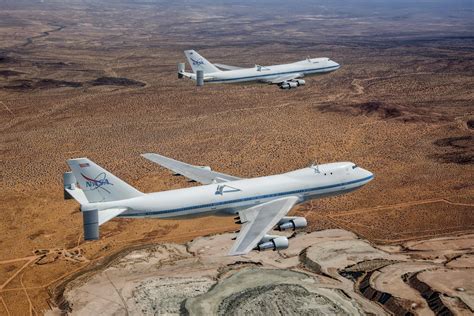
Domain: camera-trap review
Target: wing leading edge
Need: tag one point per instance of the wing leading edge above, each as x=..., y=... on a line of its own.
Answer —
x=200, y=174
x=257, y=221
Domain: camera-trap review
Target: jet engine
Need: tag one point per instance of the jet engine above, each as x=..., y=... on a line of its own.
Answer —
x=288, y=85
x=273, y=242
x=300, y=82
x=291, y=223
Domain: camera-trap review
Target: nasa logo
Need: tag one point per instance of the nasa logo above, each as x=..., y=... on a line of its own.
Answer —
x=197, y=62
x=98, y=182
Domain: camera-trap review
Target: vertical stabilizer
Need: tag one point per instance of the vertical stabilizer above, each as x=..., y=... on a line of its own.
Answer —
x=98, y=184
x=198, y=62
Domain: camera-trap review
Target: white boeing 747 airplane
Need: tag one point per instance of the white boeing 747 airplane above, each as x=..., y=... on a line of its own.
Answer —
x=259, y=204
x=286, y=76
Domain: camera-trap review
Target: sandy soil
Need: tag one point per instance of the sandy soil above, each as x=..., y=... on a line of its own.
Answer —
x=80, y=78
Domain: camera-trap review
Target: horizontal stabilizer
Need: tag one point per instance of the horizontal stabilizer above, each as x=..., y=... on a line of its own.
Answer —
x=78, y=195
x=189, y=75
x=107, y=215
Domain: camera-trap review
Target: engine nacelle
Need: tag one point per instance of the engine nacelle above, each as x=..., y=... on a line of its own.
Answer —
x=300, y=82
x=292, y=223
x=288, y=85
x=273, y=242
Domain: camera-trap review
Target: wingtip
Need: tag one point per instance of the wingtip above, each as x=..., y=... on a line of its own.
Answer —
x=147, y=155
x=75, y=161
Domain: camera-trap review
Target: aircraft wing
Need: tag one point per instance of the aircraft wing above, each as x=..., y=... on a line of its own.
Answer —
x=257, y=221
x=200, y=174
x=285, y=78
x=227, y=67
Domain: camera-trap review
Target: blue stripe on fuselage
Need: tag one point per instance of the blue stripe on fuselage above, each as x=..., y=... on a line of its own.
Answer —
x=271, y=75
x=246, y=199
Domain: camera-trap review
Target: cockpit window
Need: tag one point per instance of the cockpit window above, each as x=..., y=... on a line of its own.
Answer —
x=354, y=166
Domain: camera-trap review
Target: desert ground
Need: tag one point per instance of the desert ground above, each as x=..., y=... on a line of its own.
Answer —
x=88, y=79
x=324, y=273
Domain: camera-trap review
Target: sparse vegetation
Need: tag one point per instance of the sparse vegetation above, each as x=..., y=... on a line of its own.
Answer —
x=100, y=81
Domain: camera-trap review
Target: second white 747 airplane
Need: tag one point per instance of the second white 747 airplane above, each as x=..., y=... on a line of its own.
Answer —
x=260, y=204
x=286, y=76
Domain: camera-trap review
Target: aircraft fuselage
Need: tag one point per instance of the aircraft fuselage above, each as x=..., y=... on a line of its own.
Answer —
x=313, y=66
x=227, y=198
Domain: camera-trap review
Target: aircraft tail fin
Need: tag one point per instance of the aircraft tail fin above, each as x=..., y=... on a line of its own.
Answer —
x=198, y=62
x=96, y=183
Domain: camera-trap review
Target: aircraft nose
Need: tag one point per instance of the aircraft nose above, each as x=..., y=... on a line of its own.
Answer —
x=367, y=174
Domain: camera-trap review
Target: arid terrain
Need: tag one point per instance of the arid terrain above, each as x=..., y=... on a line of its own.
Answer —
x=98, y=79
x=324, y=273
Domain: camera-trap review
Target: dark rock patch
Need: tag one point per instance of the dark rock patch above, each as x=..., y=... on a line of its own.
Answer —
x=432, y=297
x=54, y=65
x=52, y=83
x=385, y=111
x=20, y=85
x=116, y=81
x=25, y=85
x=4, y=59
x=9, y=73
x=382, y=110
x=455, y=142
x=391, y=303
x=404, y=113
x=460, y=150
x=360, y=274
x=461, y=158
x=470, y=124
